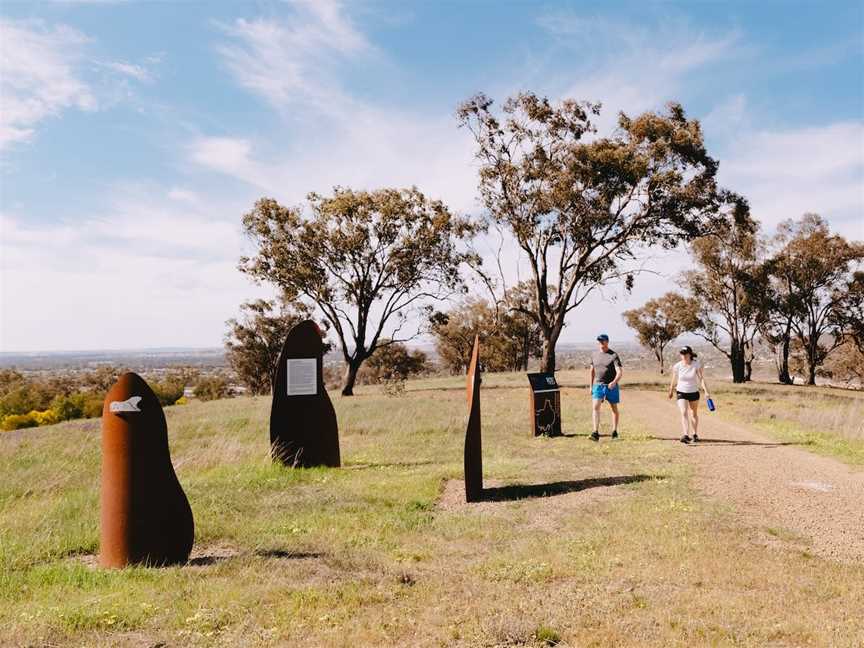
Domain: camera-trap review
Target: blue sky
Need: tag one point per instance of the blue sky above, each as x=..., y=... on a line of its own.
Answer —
x=134, y=135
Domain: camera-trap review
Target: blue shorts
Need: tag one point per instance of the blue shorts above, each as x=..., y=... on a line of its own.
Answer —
x=603, y=392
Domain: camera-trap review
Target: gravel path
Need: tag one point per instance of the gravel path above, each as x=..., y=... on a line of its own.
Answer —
x=770, y=484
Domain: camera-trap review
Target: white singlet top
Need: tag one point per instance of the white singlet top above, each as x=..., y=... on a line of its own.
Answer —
x=688, y=379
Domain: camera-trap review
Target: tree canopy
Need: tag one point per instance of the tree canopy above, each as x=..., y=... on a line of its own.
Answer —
x=659, y=321
x=365, y=259
x=253, y=342
x=581, y=208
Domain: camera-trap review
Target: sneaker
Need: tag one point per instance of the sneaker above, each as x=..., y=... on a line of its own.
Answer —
x=595, y=435
x=614, y=434
x=695, y=438
x=685, y=439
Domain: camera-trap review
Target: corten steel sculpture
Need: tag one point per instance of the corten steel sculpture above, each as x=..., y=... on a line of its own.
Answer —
x=303, y=427
x=145, y=517
x=473, y=446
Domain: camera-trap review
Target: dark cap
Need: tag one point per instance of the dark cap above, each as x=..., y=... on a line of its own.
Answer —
x=602, y=338
x=687, y=350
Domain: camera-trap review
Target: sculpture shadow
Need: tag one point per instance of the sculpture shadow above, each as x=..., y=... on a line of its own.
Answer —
x=278, y=554
x=386, y=464
x=206, y=561
x=283, y=554
x=516, y=492
x=734, y=442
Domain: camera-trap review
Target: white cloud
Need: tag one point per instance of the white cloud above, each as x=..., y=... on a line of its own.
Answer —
x=631, y=67
x=137, y=72
x=787, y=173
x=38, y=76
x=293, y=63
x=331, y=137
x=148, y=271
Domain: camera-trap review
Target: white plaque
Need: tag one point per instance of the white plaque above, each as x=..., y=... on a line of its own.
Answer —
x=302, y=377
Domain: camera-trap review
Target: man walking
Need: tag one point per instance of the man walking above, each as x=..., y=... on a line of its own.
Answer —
x=606, y=373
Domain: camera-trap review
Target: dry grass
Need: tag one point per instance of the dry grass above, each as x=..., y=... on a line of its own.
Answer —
x=614, y=549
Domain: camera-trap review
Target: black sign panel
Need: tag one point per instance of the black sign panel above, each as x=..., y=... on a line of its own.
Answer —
x=545, y=404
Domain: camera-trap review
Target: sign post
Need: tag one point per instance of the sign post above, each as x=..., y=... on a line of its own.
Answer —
x=545, y=404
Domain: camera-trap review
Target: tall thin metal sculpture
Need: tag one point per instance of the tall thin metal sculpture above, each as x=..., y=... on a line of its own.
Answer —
x=303, y=427
x=473, y=445
x=145, y=516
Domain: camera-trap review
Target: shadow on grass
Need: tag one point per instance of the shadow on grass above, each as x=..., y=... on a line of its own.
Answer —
x=385, y=464
x=279, y=554
x=734, y=442
x=283, y=554
x=524, y=491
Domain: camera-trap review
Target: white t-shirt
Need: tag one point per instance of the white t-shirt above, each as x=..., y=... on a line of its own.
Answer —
x=688, y=379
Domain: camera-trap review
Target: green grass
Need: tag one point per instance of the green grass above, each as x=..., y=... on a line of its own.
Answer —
x=384, y=552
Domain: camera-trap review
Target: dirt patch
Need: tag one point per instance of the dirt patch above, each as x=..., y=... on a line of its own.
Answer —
x=770, y=485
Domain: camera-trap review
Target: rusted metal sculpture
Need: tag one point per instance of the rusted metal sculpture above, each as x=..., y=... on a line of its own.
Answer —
x=145, y=516
x=473, y=445
x=303, y=427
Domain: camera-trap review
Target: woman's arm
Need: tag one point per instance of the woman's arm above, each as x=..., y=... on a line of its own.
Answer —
x=702, y=380
x=674, y=380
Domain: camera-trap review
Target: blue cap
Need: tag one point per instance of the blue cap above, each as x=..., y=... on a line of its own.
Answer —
x=602, y=338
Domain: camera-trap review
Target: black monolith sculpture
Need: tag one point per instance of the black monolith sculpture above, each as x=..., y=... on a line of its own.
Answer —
x=303, y=427
x=145, y=516
x=473, y=445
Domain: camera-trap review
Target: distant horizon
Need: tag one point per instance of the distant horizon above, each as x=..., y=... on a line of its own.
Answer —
x=202, y=349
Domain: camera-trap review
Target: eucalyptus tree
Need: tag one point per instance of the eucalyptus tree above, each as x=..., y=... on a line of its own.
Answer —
x=824, y=291
x=659, y=321
x=581, y=208
x=725, y=283
x=254, y=341
x=367, y=260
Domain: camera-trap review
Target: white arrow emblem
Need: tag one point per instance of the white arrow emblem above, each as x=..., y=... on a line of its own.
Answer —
x=129, y=405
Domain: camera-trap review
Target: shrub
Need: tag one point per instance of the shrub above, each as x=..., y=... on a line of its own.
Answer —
x=212, y=388
x=18, y=421
x=168, y=391
x=69, y=407
x=45, y=417
x=182, y=401
x=92, y=406
x=24, y=397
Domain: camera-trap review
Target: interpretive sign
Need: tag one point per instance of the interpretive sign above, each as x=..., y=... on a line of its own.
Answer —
x=302, y=377
x=303, y=427
x=545, y=404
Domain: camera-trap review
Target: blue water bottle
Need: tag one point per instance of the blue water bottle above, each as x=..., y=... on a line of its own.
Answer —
x=710, y=403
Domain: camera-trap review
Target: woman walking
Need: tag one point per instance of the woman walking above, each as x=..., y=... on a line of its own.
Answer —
x=687, y=376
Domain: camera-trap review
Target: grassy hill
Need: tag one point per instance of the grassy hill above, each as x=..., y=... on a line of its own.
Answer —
x=586, y=544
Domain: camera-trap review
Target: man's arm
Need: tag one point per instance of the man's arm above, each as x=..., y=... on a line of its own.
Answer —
x=591, y=377
x=619, y=371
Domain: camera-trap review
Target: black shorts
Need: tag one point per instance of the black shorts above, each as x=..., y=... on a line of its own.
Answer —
x=688, y=396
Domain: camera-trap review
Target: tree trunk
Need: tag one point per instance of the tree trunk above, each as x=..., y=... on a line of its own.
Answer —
x=547, y=361
x=737, y=360
x=783, y=362
x=350, y=378
x=812, y=363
